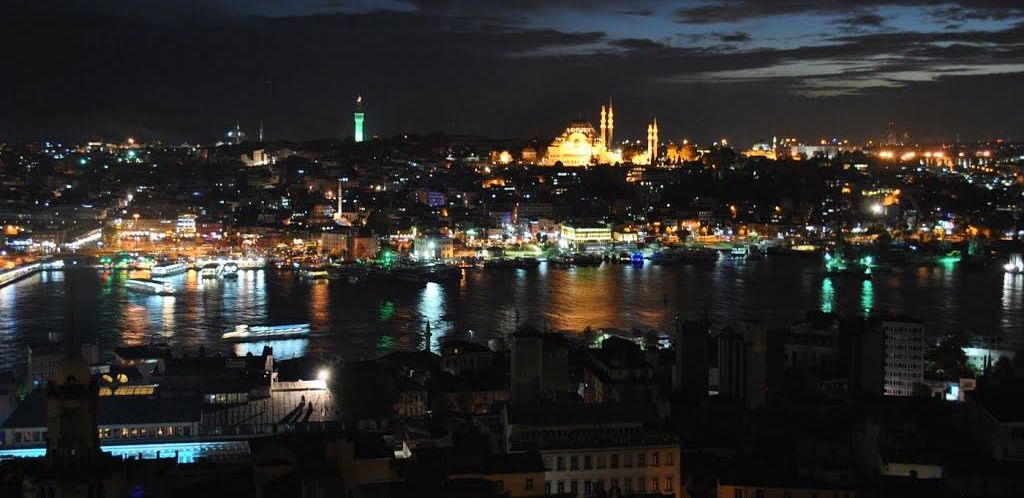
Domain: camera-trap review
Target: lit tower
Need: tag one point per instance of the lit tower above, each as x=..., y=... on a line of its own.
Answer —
x=357, y=116
x=339, y=215
x=652, y=141
x=611, y=124
x=604, y=126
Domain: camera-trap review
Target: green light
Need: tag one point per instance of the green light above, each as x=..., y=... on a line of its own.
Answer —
x=386, y=344
x=387, y=310
x=828, y=295
x=867, y=297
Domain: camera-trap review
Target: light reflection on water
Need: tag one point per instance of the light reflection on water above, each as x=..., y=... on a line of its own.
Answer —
x=358, y=321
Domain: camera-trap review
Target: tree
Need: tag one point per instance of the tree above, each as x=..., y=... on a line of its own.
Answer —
x=947, y=360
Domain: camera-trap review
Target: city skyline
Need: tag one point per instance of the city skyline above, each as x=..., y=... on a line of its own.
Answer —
x=745, y=70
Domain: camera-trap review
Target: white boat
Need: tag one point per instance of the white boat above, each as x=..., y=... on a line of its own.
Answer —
x=209, y=270
x=229, y=269
x=315, y=273
x=244, y=332
x=1015, y=266
x=168, y=269
x=149, y=286
x=251, y=263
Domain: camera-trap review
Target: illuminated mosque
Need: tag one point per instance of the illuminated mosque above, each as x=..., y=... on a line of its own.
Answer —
x=581, y=145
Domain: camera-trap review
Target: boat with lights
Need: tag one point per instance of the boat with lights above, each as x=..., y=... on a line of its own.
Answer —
x=243, y=332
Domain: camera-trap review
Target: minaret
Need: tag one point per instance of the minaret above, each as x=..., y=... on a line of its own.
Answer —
x=261, y=131
x=357, y=116
x=611, y=124
x=654, y=142
x=650, y=153
x=604, y=126
x=340, y=213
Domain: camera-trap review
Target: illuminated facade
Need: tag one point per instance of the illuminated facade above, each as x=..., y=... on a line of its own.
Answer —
x=586, y=234
x=581, y=145
x=357, y=117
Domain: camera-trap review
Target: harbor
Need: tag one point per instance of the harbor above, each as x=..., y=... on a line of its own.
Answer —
x=360, y=310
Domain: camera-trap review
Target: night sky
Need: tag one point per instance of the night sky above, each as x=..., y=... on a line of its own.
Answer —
x=745, y=69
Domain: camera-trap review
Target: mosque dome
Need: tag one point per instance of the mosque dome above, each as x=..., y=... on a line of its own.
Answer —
x=580, y=125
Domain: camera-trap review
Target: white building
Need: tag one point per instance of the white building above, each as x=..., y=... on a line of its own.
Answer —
x=904, y=354
x=596, y=449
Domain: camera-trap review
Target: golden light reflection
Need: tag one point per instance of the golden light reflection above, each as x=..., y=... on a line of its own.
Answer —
x=320, y=305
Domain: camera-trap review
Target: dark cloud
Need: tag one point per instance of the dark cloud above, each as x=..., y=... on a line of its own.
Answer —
x=438, y=65
x=637, y=11
x=734, y=37
x=858, y=22
x=717, y=11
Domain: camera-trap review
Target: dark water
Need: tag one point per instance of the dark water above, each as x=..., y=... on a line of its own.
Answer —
x=353, y=321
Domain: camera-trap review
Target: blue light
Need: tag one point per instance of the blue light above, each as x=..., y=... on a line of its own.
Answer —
x=185, y=452
x=637, y=258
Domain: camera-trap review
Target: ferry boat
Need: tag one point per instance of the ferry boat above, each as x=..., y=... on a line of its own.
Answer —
x=576, y=259
x=245, y=332
x=685, y=255
x=229, y=270
x=209, y=270
x=522, y=263
x=1015, y=266
x=317, y=272
x=251, y=263
x=149, y=286
x=167, y=269
x=20, y=272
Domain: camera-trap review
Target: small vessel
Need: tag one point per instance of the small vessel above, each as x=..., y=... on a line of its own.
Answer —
x=167, y=269
x=209, y=270
x=315, y=272
x=243, y=332
x=229, y=270
x=149, y=286
x=521, y=263
x=577, y=259
x=251, y=263
x=685, y=255
x=1015, y=266
x=739, y=252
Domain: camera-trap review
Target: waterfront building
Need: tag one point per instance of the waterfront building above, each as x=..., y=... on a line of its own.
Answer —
x=579, y=235
x=186, y=226
x=434, y=247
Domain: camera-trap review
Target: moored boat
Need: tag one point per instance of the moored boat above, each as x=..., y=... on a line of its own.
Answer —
x=243, y=332
x=149, y=286
x=167, y=269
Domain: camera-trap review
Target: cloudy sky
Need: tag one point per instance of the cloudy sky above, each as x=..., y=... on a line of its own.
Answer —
x=743, y=69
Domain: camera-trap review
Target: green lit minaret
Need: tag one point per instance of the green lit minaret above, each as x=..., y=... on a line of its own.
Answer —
x=358, y=117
